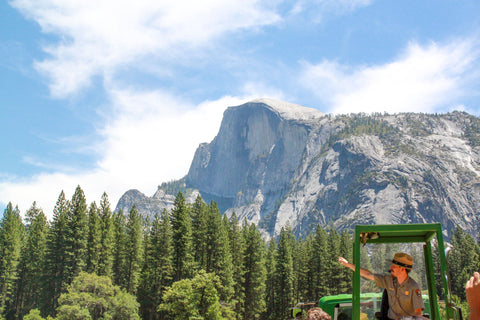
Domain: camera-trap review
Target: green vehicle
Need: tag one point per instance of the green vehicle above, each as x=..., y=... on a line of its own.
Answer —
x=368, y=305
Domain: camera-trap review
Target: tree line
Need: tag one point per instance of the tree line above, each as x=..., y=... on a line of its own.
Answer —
x=190, y=262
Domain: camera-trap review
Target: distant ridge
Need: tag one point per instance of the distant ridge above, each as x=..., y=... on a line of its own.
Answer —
x=276, y=164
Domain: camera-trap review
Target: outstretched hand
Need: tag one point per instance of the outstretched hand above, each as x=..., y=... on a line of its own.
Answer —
x=472, y=289
x=343, y=261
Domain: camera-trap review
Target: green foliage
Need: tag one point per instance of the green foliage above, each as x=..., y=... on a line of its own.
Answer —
x=183, y=257
x=94, y=239
x=463, y=260
x=270, y=284
x=105, y=262
x=219, y=258
x=56, y=256
x=237, y=249
x=11, y=240
x=120, y=243
x=157, y=273
x=77, y=240
x=174, y=187
x=361, y=124
x=133, y=251
x=199, y=230
x=239, y=275
x=195, y=298
x=32, y=262
x=34, y=314
x=254, y=273
x=284, y=278
x=95, y=297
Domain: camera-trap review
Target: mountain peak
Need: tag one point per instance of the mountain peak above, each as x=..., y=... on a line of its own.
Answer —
x=290, y=110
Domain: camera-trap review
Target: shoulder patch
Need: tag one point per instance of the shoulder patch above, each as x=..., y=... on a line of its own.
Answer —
x=418, y=293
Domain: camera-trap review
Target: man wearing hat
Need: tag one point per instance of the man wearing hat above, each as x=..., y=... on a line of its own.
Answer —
x=404, y=295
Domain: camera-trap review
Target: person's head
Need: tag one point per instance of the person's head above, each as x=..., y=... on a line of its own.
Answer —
x=317, y=314
x=402, y=264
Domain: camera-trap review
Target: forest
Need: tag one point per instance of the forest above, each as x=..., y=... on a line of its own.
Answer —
x=187, y=263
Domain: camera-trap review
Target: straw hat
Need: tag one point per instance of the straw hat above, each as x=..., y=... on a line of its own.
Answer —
x=403, y=260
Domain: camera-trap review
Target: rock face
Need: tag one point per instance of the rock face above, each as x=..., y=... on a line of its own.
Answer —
x=275, y=163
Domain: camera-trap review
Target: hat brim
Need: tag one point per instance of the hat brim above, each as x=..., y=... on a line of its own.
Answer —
x=403, y=265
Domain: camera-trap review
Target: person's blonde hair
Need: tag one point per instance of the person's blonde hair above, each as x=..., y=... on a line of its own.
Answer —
x=317, y=314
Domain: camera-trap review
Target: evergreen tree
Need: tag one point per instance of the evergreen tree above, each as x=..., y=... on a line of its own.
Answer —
x=119, y=249
x=463, y=261
x=255, y=273
x=332, y=271
x=105, y=262
x=284, y=274
x=219, y=259
x=31, y=268
x=77, y=234
x=199, y=232
x=56, y=259
x=182, y=239
x=133, y=251
x=11, y=240
x=318, y=284
x=94, y=240
x=157, y=273
x=345, y=275
x=237, y=248
x=270, y=283
x=300, y=267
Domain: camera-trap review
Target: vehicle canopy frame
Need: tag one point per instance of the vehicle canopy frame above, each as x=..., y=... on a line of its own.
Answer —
x=406, y=233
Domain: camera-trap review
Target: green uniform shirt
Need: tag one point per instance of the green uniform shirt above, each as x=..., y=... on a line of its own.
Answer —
x=403, y=299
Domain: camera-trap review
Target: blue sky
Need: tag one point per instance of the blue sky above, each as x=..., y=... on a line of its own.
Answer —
x=113, y=95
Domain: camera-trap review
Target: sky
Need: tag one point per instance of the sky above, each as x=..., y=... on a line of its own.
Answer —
x=113, y=95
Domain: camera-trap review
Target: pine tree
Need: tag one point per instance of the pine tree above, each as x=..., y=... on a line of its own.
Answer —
x=31, y=268
x=157, y=273
x=134, y=250
x=183, y=260
x=219, y=258
x=94, y=240
x=332, y=271
x=105, y=262
x=270, y=283
x=300, y=267
x=284, y=277
x=345, y=275
x=11, y=241
x=463, y=261
x=77, y=234
x=119, y=248
x=199, y=231
x=237, y=248
x=56, y=269
x=255, y=273
x=318, y=284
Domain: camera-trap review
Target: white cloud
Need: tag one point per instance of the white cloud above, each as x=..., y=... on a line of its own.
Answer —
x=96, y=37
x=319, y=9
x=151, y=139
x=422, y=79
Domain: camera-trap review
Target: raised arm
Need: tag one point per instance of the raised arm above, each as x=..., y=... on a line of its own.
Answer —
x=363, y=272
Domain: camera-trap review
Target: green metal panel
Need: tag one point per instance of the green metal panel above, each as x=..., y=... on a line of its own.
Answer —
x=404, y=233
x=443, y=268
x=434, y=308
x=356, y=277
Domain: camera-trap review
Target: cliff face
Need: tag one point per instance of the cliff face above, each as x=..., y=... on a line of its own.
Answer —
x=275, y=163
x=254, y=156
